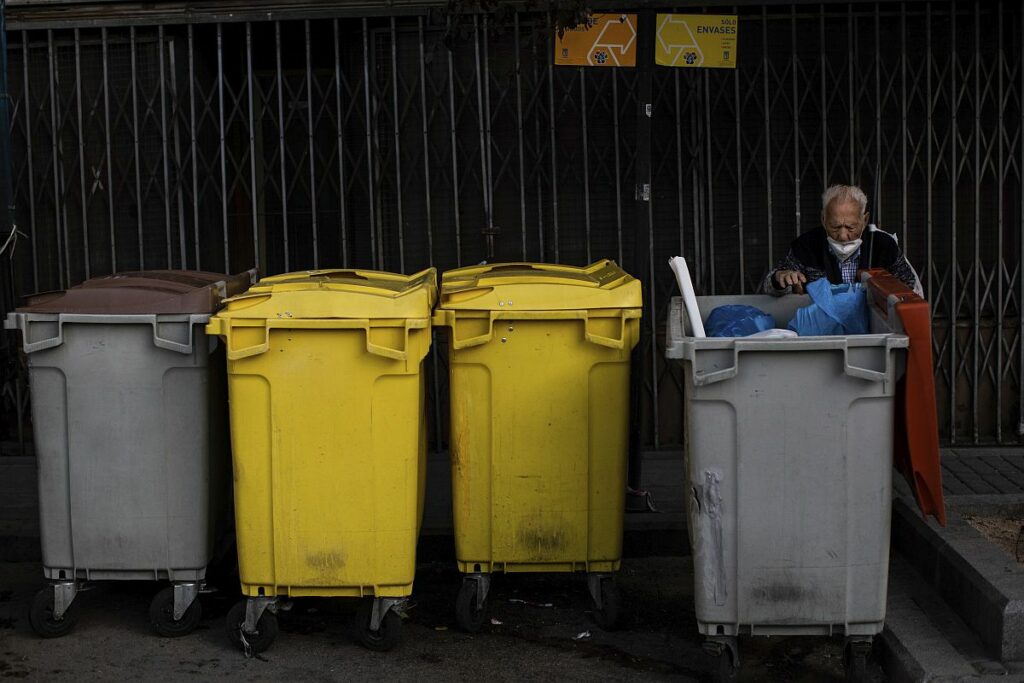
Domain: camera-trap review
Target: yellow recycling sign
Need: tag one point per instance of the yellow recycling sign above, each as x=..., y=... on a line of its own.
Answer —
x=605, y=40
x=696, y=40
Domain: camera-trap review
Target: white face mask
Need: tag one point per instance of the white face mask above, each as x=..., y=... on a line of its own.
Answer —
x=844, y=250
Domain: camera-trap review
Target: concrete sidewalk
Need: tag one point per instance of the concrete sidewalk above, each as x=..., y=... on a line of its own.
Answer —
x=930, y=634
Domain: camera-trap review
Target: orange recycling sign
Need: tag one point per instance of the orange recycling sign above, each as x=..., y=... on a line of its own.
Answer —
x=604, y=40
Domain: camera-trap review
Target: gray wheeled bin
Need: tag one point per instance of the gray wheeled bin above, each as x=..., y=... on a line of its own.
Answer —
x=789, y=478
x=130, y=423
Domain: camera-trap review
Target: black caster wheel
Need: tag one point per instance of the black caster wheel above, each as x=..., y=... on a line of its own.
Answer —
x=251, y=643
x=855, y=662
x=161, y=615
x=384, y=638
x=607, y=616
x=727, y=671
x=470, y=615
x=41, y=618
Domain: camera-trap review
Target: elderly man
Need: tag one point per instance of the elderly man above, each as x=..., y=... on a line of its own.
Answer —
x=844, y=244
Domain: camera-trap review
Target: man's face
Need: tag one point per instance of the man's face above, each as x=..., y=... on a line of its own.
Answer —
x=843, y=221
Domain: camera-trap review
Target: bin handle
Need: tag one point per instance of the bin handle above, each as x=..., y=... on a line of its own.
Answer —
x=706, y=378
x=170, y=344
x=401, y=354
x=477, y=340
x=24, y=321
x=610, y=342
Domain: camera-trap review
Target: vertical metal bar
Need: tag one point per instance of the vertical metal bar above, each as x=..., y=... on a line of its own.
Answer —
x=106, y=141
x=342, y=209
x=487, y=120
x=955, y=264
x=537, y=146
x=696, y=190
x=371, y=178
x=426, y=166
x=309, y=127
x=519, y=132
x=903, y=125
x=878, y=122
x=61, y=225
x=930, y=266
x=31, y=172
x=312, y=164
x=823, y=98
x=192, y=141
x=741, y=241
x=253, y=190
x=81, y=153
x=709, y=169
x=679, y=162
x=1001, y=175
x=435, y=385
x=977, y=220
x=455, y=160
x=163, y=142
x=851, y=39
x=1020, y=261
x=137, y=157
x=398, y=145
x=223, y=155
x=554, y=148
x=280, y=141
x=618, y=169
x=171, y=52
x=485, y=180
x=767, y=133
x=586, y=160
x=796, y=122
x=644, y=240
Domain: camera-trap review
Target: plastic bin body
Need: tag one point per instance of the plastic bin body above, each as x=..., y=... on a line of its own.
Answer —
x=789, y=469
x=539, y=361
x=326, y=385
x=130, y=427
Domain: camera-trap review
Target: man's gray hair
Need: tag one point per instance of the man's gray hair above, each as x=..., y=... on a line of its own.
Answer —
x=844, y=193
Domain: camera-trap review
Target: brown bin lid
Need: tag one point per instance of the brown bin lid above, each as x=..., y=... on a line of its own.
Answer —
x=143, y=292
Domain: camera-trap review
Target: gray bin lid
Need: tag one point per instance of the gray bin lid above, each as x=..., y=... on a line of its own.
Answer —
x=150, y=292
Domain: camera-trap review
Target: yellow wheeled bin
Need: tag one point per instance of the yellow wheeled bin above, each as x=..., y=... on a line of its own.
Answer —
x=325, y=380
x=539, y=360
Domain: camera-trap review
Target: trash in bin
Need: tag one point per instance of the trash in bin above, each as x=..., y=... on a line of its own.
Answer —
x=737, y=320
x=325, y=375
x=837, y=309
x=129, y=413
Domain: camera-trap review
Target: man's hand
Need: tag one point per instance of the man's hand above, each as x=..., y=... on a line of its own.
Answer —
x=791, y=278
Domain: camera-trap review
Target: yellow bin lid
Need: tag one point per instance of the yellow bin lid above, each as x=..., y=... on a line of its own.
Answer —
x=338, y=293
x=539, y=287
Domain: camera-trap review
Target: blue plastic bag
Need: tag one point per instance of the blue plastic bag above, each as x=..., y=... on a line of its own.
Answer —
x=837, y=309
x=737, y=320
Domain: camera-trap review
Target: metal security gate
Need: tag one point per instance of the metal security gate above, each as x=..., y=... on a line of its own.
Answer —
x=407, y=140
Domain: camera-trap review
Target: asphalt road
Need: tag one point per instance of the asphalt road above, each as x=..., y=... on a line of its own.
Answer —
x=527, y=639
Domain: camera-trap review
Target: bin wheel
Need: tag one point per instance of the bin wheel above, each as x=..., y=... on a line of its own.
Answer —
x=470, y=615
x=384, y=638
x=728, y=672
x=855, y=663
x=607, y=616
x=161, y=615
x=266, y=630
x=41, y=616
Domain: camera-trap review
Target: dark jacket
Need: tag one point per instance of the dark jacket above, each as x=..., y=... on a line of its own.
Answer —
x=811, y=255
